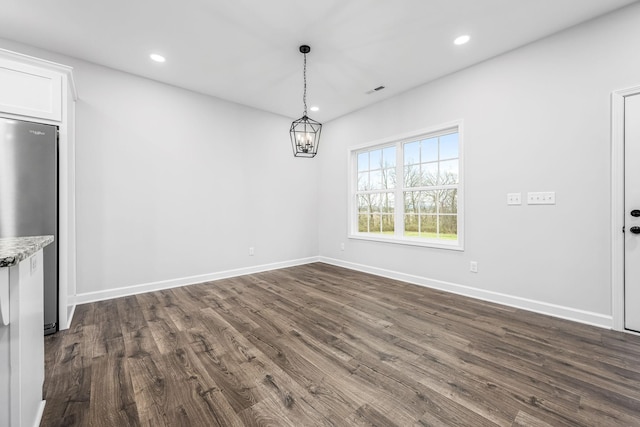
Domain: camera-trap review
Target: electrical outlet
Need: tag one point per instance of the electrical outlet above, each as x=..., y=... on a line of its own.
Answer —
x=514, y=199
x=251, y=251
x=33, y=263
x=342, y=246
x=541, y=198
x=473, y=266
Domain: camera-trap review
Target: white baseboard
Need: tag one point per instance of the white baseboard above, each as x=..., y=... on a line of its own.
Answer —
x=586, y=317
x=568, y=313
x=174, y=283
x=39, y=413
x=71, y=310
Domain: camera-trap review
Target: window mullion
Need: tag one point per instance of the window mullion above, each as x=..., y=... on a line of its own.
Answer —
x=435, y=187
x=399, y=194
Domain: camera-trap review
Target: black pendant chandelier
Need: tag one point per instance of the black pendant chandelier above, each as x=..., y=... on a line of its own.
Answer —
x=305, y=132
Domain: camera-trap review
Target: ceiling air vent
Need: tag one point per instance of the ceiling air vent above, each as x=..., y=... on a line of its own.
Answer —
x=378, y=89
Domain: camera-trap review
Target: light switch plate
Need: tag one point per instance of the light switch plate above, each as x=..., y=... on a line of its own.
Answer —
x=541, y=198
x=514, y=199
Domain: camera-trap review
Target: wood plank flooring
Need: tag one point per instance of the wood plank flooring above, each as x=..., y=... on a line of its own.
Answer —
x=318, y=345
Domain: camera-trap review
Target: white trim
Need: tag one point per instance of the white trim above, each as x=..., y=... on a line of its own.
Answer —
x=439, y=244
x=185, y=281
x=568, y=313
x=617, y=204
x=66, y=207
x=39, y=413
x=71, y=310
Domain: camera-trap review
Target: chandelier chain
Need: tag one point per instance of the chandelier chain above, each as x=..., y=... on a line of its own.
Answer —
x=304, y=93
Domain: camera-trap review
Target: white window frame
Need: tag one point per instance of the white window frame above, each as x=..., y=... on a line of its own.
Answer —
x=398, y=141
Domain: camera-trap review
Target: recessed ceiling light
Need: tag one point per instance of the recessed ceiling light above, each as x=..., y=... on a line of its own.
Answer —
x=157, y=58
x=462, y=40
x=314, y=108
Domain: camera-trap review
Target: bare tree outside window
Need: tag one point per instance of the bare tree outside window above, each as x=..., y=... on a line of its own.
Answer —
x=422, y=188
x=376, y=207
x=431, y=168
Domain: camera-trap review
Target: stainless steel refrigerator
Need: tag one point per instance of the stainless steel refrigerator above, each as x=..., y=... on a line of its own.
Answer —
x=29, y=196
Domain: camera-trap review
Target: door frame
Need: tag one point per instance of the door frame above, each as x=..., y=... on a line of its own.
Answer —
x=617, y=204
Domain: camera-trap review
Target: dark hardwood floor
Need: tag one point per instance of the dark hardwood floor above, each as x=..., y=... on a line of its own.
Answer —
x=320, y=345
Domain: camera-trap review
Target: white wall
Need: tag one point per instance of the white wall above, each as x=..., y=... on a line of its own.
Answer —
x=172, y=184
x=185, y=182
x=535, y=119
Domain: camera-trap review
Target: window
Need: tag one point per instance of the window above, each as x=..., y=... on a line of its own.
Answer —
x=409, y=190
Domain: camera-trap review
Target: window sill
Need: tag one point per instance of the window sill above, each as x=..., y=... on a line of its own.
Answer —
x=410, y=242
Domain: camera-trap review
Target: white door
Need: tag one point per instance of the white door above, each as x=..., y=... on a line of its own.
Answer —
x=632, y=212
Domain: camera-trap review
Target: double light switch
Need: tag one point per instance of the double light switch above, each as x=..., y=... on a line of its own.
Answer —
x=533, y=198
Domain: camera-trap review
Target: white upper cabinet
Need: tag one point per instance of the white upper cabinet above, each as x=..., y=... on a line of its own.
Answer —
x=30, y=91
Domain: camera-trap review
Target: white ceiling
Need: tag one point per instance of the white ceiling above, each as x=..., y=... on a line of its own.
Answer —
x=246, y=51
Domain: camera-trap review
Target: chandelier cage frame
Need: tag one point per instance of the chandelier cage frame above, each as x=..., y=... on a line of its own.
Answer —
x=305, y=132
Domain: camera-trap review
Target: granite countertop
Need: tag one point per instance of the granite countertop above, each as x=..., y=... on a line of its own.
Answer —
x=15, y=249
